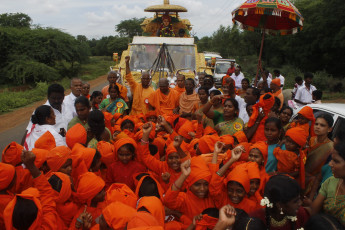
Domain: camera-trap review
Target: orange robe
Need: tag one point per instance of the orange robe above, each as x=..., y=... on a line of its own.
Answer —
x=219, y=193
x=94, y=211
x=164, y=104
x=157, y=166
x=187, y=203
x=123, y=92
x=288, y=161
x=189, y=103
x=280, y=96
x=4, y=200
x=140, y=96
x=179, y=90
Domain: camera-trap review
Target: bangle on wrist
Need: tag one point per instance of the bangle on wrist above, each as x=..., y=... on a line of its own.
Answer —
x=218, y=174
x=144, y=142
x=176, y=186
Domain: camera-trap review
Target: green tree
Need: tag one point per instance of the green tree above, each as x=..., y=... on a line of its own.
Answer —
x=15, y=20
x=130, y=27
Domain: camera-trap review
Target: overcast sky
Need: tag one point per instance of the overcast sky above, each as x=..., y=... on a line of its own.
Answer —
x=97, y=18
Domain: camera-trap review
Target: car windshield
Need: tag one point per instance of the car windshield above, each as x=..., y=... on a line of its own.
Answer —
x=143, y=56
x=222, y=68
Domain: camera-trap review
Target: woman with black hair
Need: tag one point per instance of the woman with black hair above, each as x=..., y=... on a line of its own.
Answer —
x=97, y=130
x=82, y=107
x=282, y=203
x=43, y=121
x=114, y=104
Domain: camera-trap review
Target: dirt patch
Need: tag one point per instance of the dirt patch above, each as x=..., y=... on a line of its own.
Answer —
x=18, y=116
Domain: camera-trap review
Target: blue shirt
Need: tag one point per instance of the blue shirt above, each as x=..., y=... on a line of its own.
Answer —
x=272, y=161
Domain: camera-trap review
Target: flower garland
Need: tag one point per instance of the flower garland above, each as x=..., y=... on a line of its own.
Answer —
x=166, y=31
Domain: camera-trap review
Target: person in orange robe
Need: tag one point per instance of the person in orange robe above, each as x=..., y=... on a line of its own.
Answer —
x=12, y=155
x=254, y=177
x=59, y=160
x=292, y=159
x=65, y=207
x=191, y=203
x=189, y=100
x=256, y=124
x=164, y=100
x=34, y=208
x=140, y=91
x=90, y=196
x=154, y=206
x=122, y=193
x=180, y=84
x=259, y=153
x=76, y=134
x=277, y=91
x=46, y=141
x=305, y=115
x=206, y=144
x=233, y=188
x=143, y=220
x=125, y=165
x=112, y=78
x=147, y=185
x=7, y=181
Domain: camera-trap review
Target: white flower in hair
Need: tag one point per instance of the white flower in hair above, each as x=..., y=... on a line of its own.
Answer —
x=292, y=218
x=266, y=202
x=300, y=229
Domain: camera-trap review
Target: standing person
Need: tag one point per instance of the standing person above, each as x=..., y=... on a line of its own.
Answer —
x=277, y=74
x=113, y=77
x=180, y=84
x=319, y=150
x=43, y=120
x=189, y=100
x=209, y=83
x=200, y=77
x=238, y=77
x=96, y=99
x=56, y=94
x=114, y=103
x=304, y=94
x=141, y=92
x=76, y=88
x=298, y=84
x=285, y=115
x=245, y=86
x=277, y=91
x=231, y=70
x=164, y=100
x=85, y=91
x=82, y=107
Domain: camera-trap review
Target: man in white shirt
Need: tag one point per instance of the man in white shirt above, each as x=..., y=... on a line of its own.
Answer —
x=76, y=87
x=238, y=77
x=304, y=94
x=278, y=75
x=56, y=94
x=241, y=103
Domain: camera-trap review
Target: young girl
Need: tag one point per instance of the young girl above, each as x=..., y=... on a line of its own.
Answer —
x=97, y=131
x=283, y=205
x=82, y=107
x=292, y=159
x=272, y=133
x=234, y=188
x=197, y=176
x=43, y=120
x=96, y=99
x=125, y=166
x=305, y=115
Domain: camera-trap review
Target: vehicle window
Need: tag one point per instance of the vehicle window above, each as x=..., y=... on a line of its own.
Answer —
x=222, y=68
x=318, y=112
x=340, y=123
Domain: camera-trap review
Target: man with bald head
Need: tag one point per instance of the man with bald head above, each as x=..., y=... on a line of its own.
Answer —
x=140, y=91
x=164, y=100
x=180, y=81
x=113, y=76
x=76, y=87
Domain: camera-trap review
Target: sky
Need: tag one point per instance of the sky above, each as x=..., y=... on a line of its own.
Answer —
x=97, y=18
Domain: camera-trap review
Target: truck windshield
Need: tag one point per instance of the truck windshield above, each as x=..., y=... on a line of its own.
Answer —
x=222, y=68
x=143, y=56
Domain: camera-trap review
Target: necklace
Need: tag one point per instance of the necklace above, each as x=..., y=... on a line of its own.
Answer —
x=276, y=223
x=336, y=193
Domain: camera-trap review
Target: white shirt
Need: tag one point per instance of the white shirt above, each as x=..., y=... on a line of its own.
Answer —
x=61, y=119
x=296, y=87
x=305, y=95
x=238, y=80
x=69, y=102
x=38, y=131
x=242, y=109
x=282, y=80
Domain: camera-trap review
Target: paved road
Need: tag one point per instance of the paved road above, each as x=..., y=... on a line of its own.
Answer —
x=16, y=133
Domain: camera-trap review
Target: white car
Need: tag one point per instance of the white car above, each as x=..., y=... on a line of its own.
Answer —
x=337, y=111
x=220, y=69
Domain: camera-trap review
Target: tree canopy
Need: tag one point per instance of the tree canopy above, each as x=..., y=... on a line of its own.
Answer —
x=130, y=27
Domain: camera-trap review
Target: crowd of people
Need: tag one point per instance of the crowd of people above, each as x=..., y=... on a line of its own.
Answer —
x=188, y=157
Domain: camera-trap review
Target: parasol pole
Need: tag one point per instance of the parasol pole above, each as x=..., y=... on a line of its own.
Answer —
x=259, y=63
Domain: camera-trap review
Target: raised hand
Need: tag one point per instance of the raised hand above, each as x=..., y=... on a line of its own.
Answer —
x=147, y=128
x=185, y=168
x=227, y=215
x=166, y=177
x=237, y=152
x=28, y=158
x=218, y=147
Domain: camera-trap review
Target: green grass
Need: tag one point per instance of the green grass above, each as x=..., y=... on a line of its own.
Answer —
x=9, y=101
